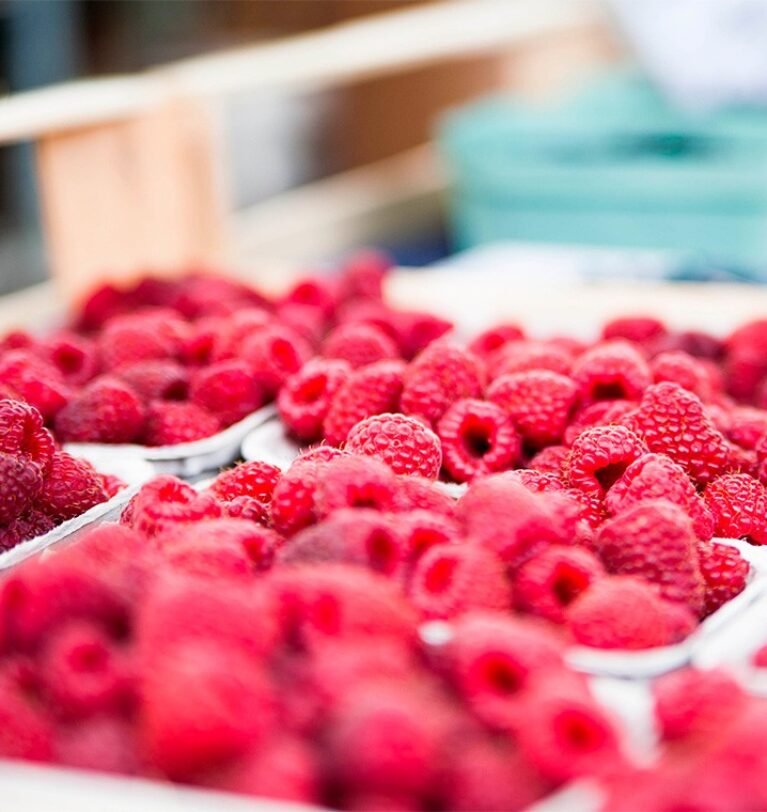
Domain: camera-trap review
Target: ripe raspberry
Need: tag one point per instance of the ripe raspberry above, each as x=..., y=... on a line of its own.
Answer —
x=20, y=485
x=17, y=340
x=489, y=342
x=106, y=411
x=438, y=377
x=306, y=320
x=257, y=479
x=355, y=481
x=70, y=488
x=697, y=704
x=451, y=579
x=537, y=482
x=204, y=294
x=601, y=413
x=623, y=612
x=656, y=476
x=318, y=292
x=374, y=389
x=102, y=744
x=680, y=368
x=639, y=329
x=526, y=356
x=747, y=426
x=550, y=581
x=169, y=423
x=292, y=507
x=672, y=421
x=200, y=343
x=318, y=454
x=305, y=398
x=739, y=505
x=745, y=366
x=129, y=339
x=612, y=370
x=22, y=433
x=478, y=438
x=538, y=401
x=550, y=460
x=423, y=529
x=655, y=541
x=274, y=354
x=156, y=380
x=363, y=274
x=35, y=381
x=247, y=507
x=231, y=333
x=25, y=730
x=167, y=501
x=416, y=493
x=29, y=525
x=228, y=390
x=359, y=344
x=416, y=330
x=600, y=456
x=725, y=574
x=74, y=356
x=402, y=442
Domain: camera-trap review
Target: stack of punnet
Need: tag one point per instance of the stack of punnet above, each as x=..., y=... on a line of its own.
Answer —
x=346, y=630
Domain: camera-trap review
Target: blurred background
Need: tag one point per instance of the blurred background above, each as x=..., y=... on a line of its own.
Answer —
x=628, y=124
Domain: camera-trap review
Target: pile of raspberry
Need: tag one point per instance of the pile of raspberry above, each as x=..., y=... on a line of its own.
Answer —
x=41, y=486
x=169, y=362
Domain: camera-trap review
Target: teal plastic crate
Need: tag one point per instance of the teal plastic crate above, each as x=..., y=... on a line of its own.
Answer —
x=612, y=165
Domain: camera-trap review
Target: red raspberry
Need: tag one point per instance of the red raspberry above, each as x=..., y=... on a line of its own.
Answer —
x=228, y=390
x=167, y=501
x=306, y=320
x=248, y=507
x=70, y=488
x=423, y=529
x=133, y=338
x=368, y=391
x=673, y=421
x=157, y=380
x=363, y=274
x=29, y=525
x=601, y=413
x=550, y=581
x=724, y=571
x=526, y=356
x=226, y=708
x=697, y=704
x=747, y=426
x=681, y=368
x=539, y=402
x=655, y=541
x=439, y=376
x=538, y=482
x=305, y=398
x=203, y=294
x=359, y=344
x=478, y=438
x=17, y=340
x=612, y=370
x=314, y=291
x=745, y=366
x=402, y=442
x=600, y=456
x=318, y=454
x=74, y=356
x=639, y=329
x=22, y=433
x=106, y=411
x=231, y=333
x=492, y=659
x=415, y=330
x=36, y=381
x=292, y=507
x=274, y=353
x=83, y=672
x=550, y=460
x=257, y=479
x=624, y=612
x=169, y=423
x=489, y=342
x=20, y=485
x=354, y=481
x=416, y=493
x=25, y=731
x=739, y=505
x=451, y=579
x=102, y=743
x=656, y=476
x=200, y=343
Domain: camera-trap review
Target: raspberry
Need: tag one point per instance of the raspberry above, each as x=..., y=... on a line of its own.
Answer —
x=247, y=507
x=83, y=673
x=416, y=493
x=745, y=366
x=724, y=571
x=673, y=421
x=537, y=482
x=374, y=389
x=493, y=659
x=20, y=485
x=203, y=294
x=22, y=433
x=600, y=456
x=36, y=381
x=25, y=731
x=70, y=488
x=106, y=411
x=402, y=442
x=416, y=331
x=612, y=370
x=739, y=505
x=257, y=479
x=73, y=356
x=601, y=413
x=696, y=703
x=639, y=329
x=156, y=380
x=314, y=291
x=292, y=507
x=423, y=529
x=354, y=481
x=451, y=579
x=747, y=426
x=489, y=342
x=169, y=423
x=680, y=368
x=305, y=399
x=227, y=389
x=167, y=501
x=623, y=612
x=656, y=476
x=527, y=356
x=359, y=344
x=318, y=454
x=363, y=274
x=550, y=581
x=129, y=339
x=655, y=541
x=17, y=340
x=102, y=743
x=274, y=353
x=225, y=708
x=29, y=525
x=698, y=344
x=538, y=401
x=439, y=376
x=478, y=438
x=550, y=460
x=307, y=321
x=231, y=333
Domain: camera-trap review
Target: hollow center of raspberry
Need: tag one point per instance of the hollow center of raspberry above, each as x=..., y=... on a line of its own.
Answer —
x=327, y=614
x=568, y=584
x=439, y=576
x=424, y=538
x=580, y=732
x=501, y=675
x=608, y=475
x=69, y=359
x=313, y=389
x=609, y=390
x=88, y=657
x=382, y=552
x=476, y=439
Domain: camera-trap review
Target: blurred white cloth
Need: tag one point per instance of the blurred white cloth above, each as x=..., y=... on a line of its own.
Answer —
x=703, y=53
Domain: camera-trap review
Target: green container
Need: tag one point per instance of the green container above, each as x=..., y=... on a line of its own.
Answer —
x=613, y=165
